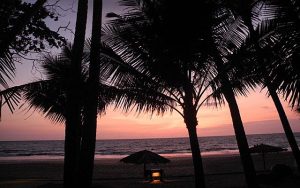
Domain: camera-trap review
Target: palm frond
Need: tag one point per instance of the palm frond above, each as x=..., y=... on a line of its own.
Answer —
x=283, y=42
x=144, y=53
x=47, y=97
x=11, y=97
x=7, y=69
x=39, y=95
x=138, y=99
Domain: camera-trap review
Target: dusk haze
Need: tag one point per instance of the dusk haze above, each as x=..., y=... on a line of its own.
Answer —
x=258, y=113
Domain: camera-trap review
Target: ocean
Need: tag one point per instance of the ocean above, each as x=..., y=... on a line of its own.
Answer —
x=215, y=145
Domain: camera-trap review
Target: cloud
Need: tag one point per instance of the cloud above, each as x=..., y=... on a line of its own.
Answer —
x=251, y=127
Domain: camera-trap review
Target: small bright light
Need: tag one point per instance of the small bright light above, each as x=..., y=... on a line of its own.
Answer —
x=156, y=175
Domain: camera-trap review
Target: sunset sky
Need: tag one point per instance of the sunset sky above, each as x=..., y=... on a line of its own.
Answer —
x=258, y=113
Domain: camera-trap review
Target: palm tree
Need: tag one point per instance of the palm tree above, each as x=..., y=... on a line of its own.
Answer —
x=92, y=99
x=73, y=105
x=247, y=14
x=231, y=82
x=284, y=66
x=158, y=57
x=229, y=89
x=261, y=40
x=48, y=96
x=262, y=16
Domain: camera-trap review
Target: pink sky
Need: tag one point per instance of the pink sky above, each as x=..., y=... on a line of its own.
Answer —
x=258, y=113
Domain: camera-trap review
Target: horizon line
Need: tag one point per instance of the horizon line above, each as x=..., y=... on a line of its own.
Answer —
x=148, y=138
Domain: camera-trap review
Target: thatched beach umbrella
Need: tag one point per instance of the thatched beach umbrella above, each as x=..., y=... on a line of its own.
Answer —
x=263, y=149
x=144, y=157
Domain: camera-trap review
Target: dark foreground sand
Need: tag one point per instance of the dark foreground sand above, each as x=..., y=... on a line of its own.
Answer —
x=221, y=172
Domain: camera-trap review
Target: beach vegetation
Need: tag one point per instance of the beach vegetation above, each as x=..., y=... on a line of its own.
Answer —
x=23, y=30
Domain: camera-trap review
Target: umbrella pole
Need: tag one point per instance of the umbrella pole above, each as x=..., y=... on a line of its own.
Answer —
x=145, y=175
x=264, y=161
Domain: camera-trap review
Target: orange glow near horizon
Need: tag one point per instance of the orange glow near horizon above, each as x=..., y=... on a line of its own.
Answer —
x=258, y=113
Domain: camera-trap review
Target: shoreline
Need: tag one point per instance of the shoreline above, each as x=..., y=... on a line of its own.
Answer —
x=151, y=138
x=99, y=157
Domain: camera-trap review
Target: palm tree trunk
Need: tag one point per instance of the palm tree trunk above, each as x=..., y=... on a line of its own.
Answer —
x=72, y=150
x=246, y=159
x=19, y=26
x=91, y=106
x=73, y=106
x=190, y=119
x=241, y=138
x=197, y=159
x=286, y=125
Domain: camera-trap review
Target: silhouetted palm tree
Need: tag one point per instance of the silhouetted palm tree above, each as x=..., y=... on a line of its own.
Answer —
x=89, y=128
x=73, y=106
x=48, y=96
x=231, y=82
x=285, y=53
x=269, y=83
x=257, y=27
x=57, y=104
x=161, y=58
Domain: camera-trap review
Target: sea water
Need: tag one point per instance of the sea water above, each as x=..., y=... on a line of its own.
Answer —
x=215, y=145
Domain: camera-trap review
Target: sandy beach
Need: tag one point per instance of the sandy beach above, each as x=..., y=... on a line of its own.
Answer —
x=222, y=171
